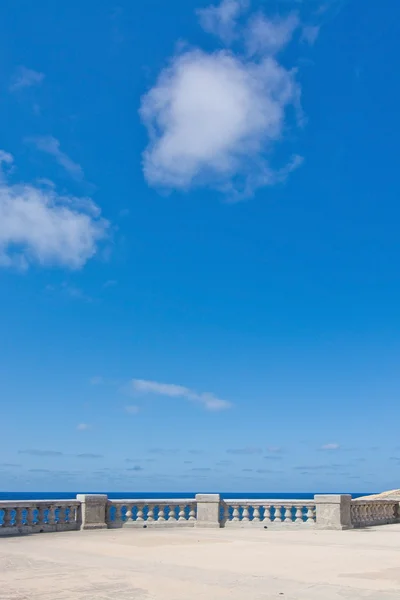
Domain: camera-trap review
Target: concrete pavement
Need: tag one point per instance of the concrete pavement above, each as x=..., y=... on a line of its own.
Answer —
x=196, y=564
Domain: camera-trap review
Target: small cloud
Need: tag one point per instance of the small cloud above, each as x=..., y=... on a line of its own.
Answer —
x=272, y=457
x=319, y=467
x=135, y=468
x=35, y=452
x=51, y=145
x=132, y=409
x=165, y=451
x=201, y=469
x=187, y=462
x=247, y=470
x=309, y=34
x=224, y=463
x=244, y=451
x=14, y=465
x=39, y=471
x=83, y=426
x=39, y=225
x=274, y=449
x=331, y=446
x=221, y=19
x=89, y=455
x=110, y=283
x=172, y=390
x=25, y=78
x=196, y=452
x=269, y=36
x=97, y=380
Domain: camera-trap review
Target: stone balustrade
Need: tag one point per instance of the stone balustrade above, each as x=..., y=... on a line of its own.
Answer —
x=267, y=513
x=22, y=517
x=96, y=511
x=376, y=512
x=150, y=513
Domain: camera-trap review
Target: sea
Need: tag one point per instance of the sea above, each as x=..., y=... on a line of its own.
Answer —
x=171, y=495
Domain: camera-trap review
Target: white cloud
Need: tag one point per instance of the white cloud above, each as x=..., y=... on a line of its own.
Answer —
x=51, y=145
x=309, y=34
x=332, y=446
x=270, y=35
x=221, y=19
x=38, y=225
x=207, y=399
x=132, y=409
x=83, y=427
x=25, y=78
x=216, y=118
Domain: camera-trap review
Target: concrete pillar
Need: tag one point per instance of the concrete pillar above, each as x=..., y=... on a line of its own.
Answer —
x=93, y=510
x=208, y=510
x=333, y=511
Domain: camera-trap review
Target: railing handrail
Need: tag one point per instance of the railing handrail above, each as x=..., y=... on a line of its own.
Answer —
x=34, y=503
x=376, y=501
x=153, y=501
x=269, y=501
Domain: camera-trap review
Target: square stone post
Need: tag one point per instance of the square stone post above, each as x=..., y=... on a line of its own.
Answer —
x=93, y=510
x=333, y=511
x=207, y=510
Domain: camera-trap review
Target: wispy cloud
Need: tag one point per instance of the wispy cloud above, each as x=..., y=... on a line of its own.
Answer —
x=221, y=19
x=132, y=409
x=331, y=446
x=310, y=33
x=89, y=455
x=245, y=451
x=215, y=118
x=24, y=78
x=35, y=452
x=208, y=400
x=83, y=426
x=135, y=468
x=38, y=225
x=51, y=145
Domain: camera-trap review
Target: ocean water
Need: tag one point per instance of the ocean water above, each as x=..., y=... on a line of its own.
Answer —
x=158, y=495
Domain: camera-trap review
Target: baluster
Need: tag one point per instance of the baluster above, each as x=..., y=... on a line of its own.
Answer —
x=311, y=515
x=256, y=514
x=161, y=513
x=299, y=514
x=129, y=514
x=288, y=514
x=278, y=514
x=8, y=517
x=172, y=516
x=181, y=516
x=19, y=516
x=235, y=514
x=363, y=514
x=192, y=512
x=41, y=515
x=267, y=514
x=30, y=516
x=71, y=514
x=118, y=515
x=139, y=516
x=62, y=514
x=150, y=513
x=245, y=514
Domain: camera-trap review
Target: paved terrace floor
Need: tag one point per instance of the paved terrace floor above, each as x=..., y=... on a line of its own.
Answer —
x=195, y=564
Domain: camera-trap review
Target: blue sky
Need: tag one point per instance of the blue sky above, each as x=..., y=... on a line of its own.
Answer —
x=199, y=249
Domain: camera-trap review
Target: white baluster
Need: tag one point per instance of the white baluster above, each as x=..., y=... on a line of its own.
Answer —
x=171, y=516
x=19, y=516
x=299, y=514
x=235, y=513
x=139, y=516
x=30, y=516
x=256, y=514
x=311, y=515
x=288, y=514
x=129, y=514
x=278, y=515
x=245, y=514
x=267, y=514
x=8, y=517
x=181, y=515
x=71, y=514
x=150, y=513
x=161, y=513
x=192, y=512
x=40, y=516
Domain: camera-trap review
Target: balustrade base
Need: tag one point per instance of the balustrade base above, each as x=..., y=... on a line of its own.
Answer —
x=151, y=524
x=44, y=528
